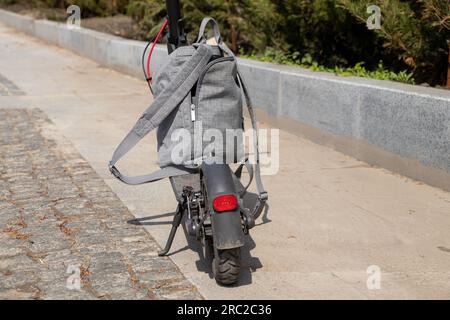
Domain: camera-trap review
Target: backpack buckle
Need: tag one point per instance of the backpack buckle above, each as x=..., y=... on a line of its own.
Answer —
x=263, y=196
x=259, y=206
x=114, y=171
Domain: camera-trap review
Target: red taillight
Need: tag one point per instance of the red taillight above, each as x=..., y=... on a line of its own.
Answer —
x=226, y=202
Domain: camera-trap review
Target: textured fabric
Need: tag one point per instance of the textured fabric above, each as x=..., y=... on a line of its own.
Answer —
x=200, y=91
x=164, y=104
x=212, y=108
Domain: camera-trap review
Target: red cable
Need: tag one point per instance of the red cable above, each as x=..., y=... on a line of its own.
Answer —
x=151, y=50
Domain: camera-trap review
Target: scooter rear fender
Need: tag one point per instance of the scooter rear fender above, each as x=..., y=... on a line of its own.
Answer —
x=226, y=226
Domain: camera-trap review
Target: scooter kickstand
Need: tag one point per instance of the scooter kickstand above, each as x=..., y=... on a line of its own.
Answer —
x=175, y=224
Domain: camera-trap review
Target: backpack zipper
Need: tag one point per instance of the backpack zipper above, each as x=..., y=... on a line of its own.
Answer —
x=194, y=104
x=192, y=112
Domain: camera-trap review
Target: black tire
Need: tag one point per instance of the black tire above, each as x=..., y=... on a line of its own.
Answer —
x=227, y=266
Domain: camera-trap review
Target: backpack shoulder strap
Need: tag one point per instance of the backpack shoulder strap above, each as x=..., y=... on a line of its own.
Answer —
x=262, y=193
x=169, y=99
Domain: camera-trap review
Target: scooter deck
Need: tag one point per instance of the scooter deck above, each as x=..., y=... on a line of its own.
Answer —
x=179, y=182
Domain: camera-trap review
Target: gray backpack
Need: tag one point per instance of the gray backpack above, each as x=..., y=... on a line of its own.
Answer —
x=198, y=89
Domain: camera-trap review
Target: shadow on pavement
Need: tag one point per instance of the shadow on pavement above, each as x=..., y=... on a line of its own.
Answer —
x=249, y=265
x=145, y=221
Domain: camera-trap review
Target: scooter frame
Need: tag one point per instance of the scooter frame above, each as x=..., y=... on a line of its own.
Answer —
x=218, y=232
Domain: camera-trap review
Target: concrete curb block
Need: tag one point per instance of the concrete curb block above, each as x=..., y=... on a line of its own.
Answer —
x=19, y=22
x=403, y=128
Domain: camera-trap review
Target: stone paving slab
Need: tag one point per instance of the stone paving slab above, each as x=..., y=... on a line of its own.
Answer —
x=60, y=222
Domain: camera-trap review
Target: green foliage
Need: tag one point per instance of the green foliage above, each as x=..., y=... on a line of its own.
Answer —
x=148, y=14
x=327, y=32
x=414, y=31
x=358, y=70
x=321, y=34
x=100, y=8
x=437, y=12
x=249, y=24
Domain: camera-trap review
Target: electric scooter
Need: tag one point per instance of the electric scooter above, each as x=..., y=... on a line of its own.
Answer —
x=209, y=200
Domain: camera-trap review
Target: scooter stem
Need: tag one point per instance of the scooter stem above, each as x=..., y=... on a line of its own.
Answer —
x=177, y=36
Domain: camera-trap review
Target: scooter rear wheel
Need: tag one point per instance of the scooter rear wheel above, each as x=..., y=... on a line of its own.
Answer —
x=227, y=266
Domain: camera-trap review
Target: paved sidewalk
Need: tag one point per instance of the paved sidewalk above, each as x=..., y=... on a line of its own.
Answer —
x=58, y=217
x=329, y=216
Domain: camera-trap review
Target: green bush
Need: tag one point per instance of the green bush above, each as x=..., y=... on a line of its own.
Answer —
x=249, y=24
x=331, y=34
x=327, y=32
x=283, y=31
x=100, y=8
x=358, y=70
x=416, y=32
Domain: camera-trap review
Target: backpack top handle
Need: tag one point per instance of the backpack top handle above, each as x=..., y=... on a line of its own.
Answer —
x=215, y=25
